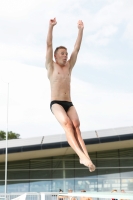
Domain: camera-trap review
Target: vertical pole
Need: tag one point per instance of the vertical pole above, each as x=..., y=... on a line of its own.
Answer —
x=64, y=175
x=6, y=143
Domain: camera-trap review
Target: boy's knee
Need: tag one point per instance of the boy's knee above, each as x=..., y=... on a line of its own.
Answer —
x=67, y=123
x=76, y=123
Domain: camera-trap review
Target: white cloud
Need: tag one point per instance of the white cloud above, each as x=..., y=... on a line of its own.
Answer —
x=17, y=9
x=102, y=36
x=128, y=34
x=105, y=23
x=22, y=52
x=99, y=109
x=100, y=62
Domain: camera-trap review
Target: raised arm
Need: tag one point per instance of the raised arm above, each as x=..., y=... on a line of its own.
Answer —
x=49, y=50
x=77, y=45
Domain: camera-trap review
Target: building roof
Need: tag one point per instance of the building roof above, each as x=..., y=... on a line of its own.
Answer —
x=45, y=144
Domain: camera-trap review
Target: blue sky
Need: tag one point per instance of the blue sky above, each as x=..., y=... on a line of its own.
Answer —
x=102, y=80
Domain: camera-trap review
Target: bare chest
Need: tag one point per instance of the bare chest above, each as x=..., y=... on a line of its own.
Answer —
x=61, y=73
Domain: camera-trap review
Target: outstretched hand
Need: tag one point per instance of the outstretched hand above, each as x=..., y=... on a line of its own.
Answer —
x=53, y=22
x=80, y=24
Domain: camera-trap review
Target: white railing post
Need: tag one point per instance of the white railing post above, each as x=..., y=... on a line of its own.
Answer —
x=42, y=195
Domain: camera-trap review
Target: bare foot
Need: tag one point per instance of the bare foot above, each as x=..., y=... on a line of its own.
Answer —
x=88, y=163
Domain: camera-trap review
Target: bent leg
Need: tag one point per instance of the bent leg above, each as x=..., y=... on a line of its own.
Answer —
x=68, y=127
x=75, y=121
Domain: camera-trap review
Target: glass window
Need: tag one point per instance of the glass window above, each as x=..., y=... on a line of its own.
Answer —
x=57, y=184
x=126, y=173
x=108, y=167
x=41, y=164
x=85, y=173
x=126, y=162
x=108, y=173
x=2, y=175
x=108, y=154
x=107, y=185
x=17, y=186
x=2, y=166
x=69, y=161
x=69, y=184
x=2, y=186
x=108, y=163
x=69, y=173
x=57, y=163
x=85, y=184
x=40, y=174
x=114, y=171
x=127, y=184
x=126, y=153
x=21, y=174
x=18, y=165
x=126, y=167
x=57, y=173
x=40, y=186
x=82, y=172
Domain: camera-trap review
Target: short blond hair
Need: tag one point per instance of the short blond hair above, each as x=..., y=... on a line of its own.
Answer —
x=60, y=47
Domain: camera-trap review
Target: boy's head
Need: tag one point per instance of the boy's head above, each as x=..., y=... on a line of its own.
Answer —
x=61, y=55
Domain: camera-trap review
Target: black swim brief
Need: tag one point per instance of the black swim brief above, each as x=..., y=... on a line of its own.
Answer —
x=65, y=104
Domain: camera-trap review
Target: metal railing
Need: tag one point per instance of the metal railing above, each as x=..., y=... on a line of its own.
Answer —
x=31, y=196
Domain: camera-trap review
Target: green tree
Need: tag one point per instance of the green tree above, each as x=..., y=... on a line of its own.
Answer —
x=2, y=135
x=11, y=135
